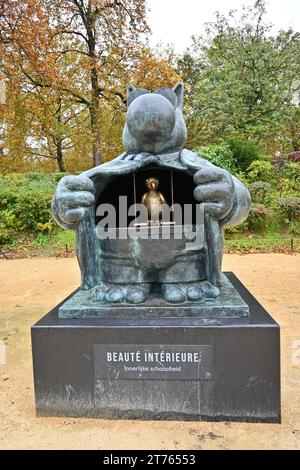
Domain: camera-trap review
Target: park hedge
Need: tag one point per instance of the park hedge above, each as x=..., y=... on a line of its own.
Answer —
x=25, y=202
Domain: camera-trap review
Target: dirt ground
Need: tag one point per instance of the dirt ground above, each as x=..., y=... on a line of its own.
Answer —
x=29, y=288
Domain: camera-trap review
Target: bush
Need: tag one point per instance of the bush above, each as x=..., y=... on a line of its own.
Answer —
x=294, y=156
x=36, y=176
x=260, y=170
x=259, y=191
x=24, y=206
x=244, y=152
x=7, y=235
x=58, y=176
x=278, y=162
x=258, y=217
x=290, y=208
x=292, y=174
x=54, y=177
x=219, y=155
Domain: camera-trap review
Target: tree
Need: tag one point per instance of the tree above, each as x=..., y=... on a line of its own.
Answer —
x=14, y=124
x=78, y=47
x=39, y=128
x=54, y=124
x=103, y=32
x=73, y=67
x=243, y=81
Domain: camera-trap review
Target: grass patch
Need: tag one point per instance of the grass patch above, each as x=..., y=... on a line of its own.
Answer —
x=62, y=243
x=58, y=243
x=261, y=243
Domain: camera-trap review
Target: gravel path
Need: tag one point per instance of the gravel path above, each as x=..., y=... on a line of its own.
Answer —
x=29, y=288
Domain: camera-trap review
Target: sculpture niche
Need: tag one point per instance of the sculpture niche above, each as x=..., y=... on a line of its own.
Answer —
x=127, y=272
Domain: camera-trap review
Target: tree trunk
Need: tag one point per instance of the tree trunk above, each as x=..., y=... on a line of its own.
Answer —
x=60, y=158
x=94, y=110
x=59, y=142
x=89, y=12
x=95, y=101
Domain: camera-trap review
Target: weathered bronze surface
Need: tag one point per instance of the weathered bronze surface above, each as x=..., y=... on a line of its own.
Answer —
x=125, y=271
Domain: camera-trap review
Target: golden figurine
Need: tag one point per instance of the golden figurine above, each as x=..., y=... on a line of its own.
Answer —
x=153, y=200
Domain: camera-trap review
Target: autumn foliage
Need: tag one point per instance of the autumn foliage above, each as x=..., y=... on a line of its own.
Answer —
x=68, y=63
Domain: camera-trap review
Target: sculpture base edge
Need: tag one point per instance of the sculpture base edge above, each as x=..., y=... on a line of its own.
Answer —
x=242, y=357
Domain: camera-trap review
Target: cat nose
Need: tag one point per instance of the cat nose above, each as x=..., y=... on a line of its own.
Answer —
x=151, y=116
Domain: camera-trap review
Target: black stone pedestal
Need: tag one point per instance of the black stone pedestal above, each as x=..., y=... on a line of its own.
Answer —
x=162, y=368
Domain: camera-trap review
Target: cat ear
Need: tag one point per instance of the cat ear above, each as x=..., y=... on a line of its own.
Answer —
x=178, y=90
x=130, y=89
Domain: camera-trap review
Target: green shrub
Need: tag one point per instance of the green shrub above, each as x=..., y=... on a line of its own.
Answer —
x=7, y=236
x=219, y=155
x=230, y=232
x=292, y=174
x=244, y=152
x=36, y=176
x=58, y=176
x=25, y=207
x=290, y=208
x=260, y=170
x=258, y=217
x=259, y=191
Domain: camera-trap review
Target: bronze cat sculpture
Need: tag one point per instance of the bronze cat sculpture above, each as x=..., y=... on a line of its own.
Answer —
x=118, y=271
